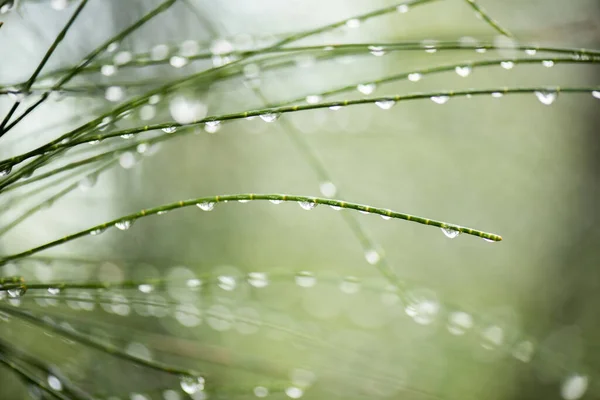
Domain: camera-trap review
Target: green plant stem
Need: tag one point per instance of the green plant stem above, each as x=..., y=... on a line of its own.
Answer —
x=158, y=10
x=489, y=20
x=91, y=342
x=41, y=65
x=250, y=197
x=297, y=108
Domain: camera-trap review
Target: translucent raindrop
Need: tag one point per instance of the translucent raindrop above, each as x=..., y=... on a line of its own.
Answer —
x=114, y=93
x=305, y=279
x=523, y=351
x=548, y=63
x=372, y=256
x=191, y=385
x=7, y=6
x=122, y=57
x=189, y=48
x=350, y=285
x=402, y=8
x=127, y=160
x=294, y=392
x=530, y=52
x=450, y=232
x=497, y=95
x=169, y=129
x=258, y=279
x=154, y=99
x=206, y=206
x=366, y=88
x=463, y=71
x=221, y=46
x=54, y=291
x=251, y=71
x=147, y=112
x=307, y=205
x=5, y=171
x=112, y=47
x=481, y=50
x=178, y=61
x=423, y=307
x=124, y=224
x=328, y=189
x=261, y=391
x=335, y=108
x=313, y=99
x=353, y=23
x=546, y=97
x=226, y=282
x=212, y=126
x=507, y=64
x=459, y=322
x=595, y=93
x=96, y=232
x=108, y=70
x=385, y=104
x=159, y=52
x=276, y=201
x=269, y=117
x=492, y=337
x=185, y=111
x=145, y=288
x=429, y=48
x=442, y=99
x=574, y=387
x=17, y=292
x=377, y=51
x=54, y=383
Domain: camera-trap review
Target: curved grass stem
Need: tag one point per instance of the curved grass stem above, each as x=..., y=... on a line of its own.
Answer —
x=488, y=19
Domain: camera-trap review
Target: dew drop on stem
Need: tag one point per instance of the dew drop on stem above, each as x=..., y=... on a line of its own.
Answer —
x=415, y=77
x=442, y=99
x=366, y=88
x=595, y=94
x=269, y=116
x=385, y=104
x=124, y=224
x=206, y=206
x=403, y=8
x=546, y=97
x=507, y=64
x=191, y=385
x=4, y=171
x=307, y=205
x=450, y=232
x=372, y=256
x=463, y=71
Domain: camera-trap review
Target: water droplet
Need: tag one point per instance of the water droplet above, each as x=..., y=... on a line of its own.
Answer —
x=546, y=97
x=335, y=108
x=261, y=391
x=258, y=279
x=463, y=71
x=54, y=291
x=127, y=160
x=450, y=232
x=353, y=23
x=251, y=71
x=276, y=201
x=185, y=110
x=377, y=51
x=154, y=99
x=59, y=5
x=497, y=95
x=193, y=283
x=489, y=240
x=372, y=256
x=443, y=99
x=350, y=285
x=530, y=52
x=147, y=112
x=548, y=63
x=294, y=392
x=5, y=171
x=415, y=77
x=574, y=387
x=96, y=232
x=430, y=49
x=114, y=93
x=385, y=217
x=313, y=99
x=243, y=201
x=269, y=117
x=189, y=48
x=221, y=46
x=423, y=307
x=335, y=208
x=226, y=282
x=17, y=292
x=492, y=337
x=54, y=383
x=523, y=351
x=595, y=93
x=108, y=70
x=169, y=129
x=481, y=50
x=159, y=52
x=122, y=57
x=145, y=288
x=366, y=88
x=206, y=206
x=385, y=104
x=124, y=224
x=507, y=64
x=7, y=6
x=459, y=322
x=402, y=8
x=328, y=189
x=305, y=279
x=212, y=126
x=191, y=385
x=112, y=47
x=307, y=205
x=178, y=61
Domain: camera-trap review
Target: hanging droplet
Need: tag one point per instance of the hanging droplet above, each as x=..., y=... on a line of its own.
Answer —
x=276, y=201
x=530, y=52
x=440, y=99
x=459, y=322
x=335, y=208
x=353, y=23
x=430, y=49
x=463, y=71
x=7, y=6
x=191, y=385
x=154, y=99
x=212, y=126
x=415, y=77
x=114, y=93
x=372, y=256
x=111, y=48
x=507, y=64
x=328, y=189
x=122, y=57
x=377, y=51
x=96, y=232
x=366, y=88
x=108, y=70
x=54, y=291
x=385, y=217
x=261, y=391
x=480, y=50
x=206, y=206
x=55, y=383
x=548, y=63
x=270, y=116
x=307, y=205
x=385, y=104
x=313, y=99
x=243, y=201
x=145, y=288
x=124, y=224
x=294, y=392
x=170, y=129
x=546, y=97
x=189, y=48
x=350, y=285
x=402, y=8
x=450, y=232
x=305, y=279
x=258, y=279
x=159, y=52
x=497, y=95
x=574, y=387
x=178, y=61
x=5, y=171
x=489, y=240
x=422, y=306
x=595, y=93
x=17, y=292
x=335, y=108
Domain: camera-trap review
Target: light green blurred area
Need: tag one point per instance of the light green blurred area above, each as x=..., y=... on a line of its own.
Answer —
x=509, y=165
